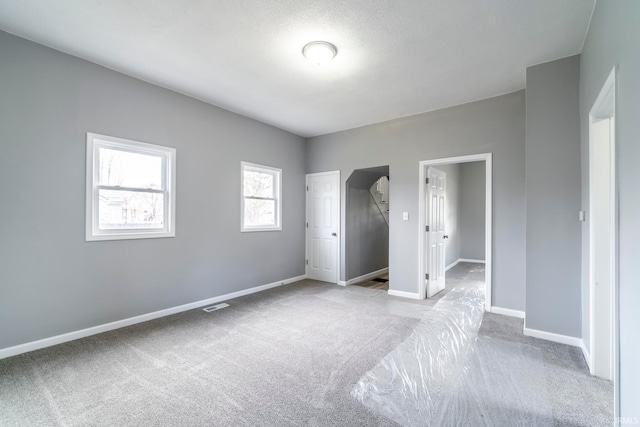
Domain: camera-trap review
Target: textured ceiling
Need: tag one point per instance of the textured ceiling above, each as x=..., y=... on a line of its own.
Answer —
x=395, y=58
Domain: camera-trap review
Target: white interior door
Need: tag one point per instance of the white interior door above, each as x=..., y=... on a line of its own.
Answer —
x=435, y=232
x=323, y=226
x=602, y=250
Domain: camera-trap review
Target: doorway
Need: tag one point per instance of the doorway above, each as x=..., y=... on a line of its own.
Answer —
x=366, y=230
x=424, y=215
x=603, y=232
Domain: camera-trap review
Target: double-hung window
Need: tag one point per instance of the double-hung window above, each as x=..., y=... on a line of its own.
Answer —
x=130, y=189
x=261, y=198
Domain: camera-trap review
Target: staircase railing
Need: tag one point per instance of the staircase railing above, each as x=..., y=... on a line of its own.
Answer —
x=381, y=197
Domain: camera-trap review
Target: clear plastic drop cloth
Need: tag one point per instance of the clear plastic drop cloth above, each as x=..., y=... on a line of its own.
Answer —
x=500, y=385
x=444, y=375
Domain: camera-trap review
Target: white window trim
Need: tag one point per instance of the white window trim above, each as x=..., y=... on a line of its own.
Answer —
x=278, y=182
x=92, y=231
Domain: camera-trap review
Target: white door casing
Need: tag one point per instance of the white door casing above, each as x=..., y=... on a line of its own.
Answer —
x=323, y=226
x=435, y=232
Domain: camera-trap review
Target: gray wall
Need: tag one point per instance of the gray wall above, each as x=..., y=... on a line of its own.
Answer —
x=613, y=40
x=452, y=212
x=472, y=210
x=366, y=232
x=51, y=280
x=494, y=125
x=553, y=197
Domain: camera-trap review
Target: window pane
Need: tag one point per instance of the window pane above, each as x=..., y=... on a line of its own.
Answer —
x=259, y=212
x=258, y=184
x=130, y=209
x=130, y=169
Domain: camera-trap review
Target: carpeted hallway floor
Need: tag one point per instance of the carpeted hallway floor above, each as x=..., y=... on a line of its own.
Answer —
x=289, y=356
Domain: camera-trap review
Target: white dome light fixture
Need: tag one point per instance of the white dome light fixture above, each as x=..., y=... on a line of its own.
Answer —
x=319, y=52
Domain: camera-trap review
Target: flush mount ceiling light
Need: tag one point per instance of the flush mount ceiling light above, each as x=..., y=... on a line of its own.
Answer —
x=319, y=52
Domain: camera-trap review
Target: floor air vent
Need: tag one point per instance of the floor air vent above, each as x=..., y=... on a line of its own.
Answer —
x=215, y=307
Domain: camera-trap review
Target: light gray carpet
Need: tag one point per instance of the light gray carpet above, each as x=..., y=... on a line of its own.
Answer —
x=576, y=397
x=280, y=358
x=284, y=357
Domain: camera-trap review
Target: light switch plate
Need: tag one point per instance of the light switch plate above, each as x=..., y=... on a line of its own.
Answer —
x=405, y=216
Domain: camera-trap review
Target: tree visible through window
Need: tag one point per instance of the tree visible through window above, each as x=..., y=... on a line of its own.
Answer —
x=261, y=196
x=121, y=208
x=130, y=189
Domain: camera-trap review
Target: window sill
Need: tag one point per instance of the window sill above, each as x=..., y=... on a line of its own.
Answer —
x=252, y=229
x=129, y=236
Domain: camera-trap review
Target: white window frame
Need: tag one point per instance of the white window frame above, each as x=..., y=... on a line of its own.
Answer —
x=168, y=155
x=277, y=174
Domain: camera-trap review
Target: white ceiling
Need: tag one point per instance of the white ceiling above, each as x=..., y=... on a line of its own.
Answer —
x=395, y=57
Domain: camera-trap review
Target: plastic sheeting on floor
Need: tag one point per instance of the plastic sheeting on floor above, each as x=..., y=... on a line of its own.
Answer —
x=444, y=374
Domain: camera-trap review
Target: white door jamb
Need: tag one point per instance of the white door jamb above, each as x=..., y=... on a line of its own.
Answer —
x=605, y=106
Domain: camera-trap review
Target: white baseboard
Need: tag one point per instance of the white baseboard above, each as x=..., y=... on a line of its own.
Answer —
x=364, y=277
x=508, y=312
x=70, y=336
x=403, y=294
x=453, y=264
x=586, y=354
x=550, y=336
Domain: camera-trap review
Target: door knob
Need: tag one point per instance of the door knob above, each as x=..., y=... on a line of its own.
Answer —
x=445, y=237
x=333, y=234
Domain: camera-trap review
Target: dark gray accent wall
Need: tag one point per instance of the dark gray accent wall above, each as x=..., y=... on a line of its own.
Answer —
x=472, y=210
x=366, y=232
x=452, y=212
x=613, y=39
x=553, y=197
x=495, y=125
x=51, y=280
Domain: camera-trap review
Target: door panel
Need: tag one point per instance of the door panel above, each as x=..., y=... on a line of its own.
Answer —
x=323, y=195
x=315, y=254
x=436, y=233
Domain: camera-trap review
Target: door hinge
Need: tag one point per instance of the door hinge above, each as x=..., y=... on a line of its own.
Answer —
x=427, y=181
x=426, y=276
x=307, y=225
x=306, y=261
x=426, y=228
x=307, y=188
